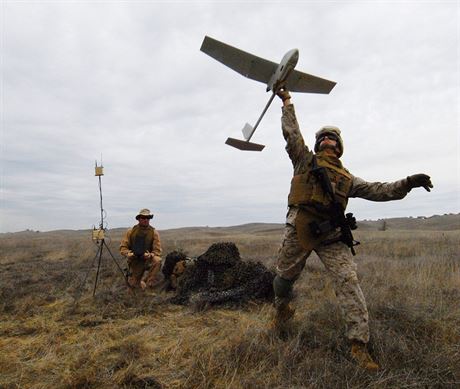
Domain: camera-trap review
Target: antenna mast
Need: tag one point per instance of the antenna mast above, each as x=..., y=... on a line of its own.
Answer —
x=99, y=172
x=98, y=236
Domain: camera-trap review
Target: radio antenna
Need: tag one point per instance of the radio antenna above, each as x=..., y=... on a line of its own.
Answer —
x=99, y=172
x=98, y=236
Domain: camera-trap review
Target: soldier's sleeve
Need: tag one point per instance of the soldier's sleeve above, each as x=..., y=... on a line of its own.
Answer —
x=156, y=249
x=379, y=191
x=295, y=144
x=124, y=245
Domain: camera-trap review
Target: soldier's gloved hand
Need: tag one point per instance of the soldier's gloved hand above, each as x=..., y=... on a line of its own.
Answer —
x=283, y=94
x=417, y=180
x=130, y=257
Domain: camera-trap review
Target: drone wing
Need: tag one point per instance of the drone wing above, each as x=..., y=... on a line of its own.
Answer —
x=248, y=65
x=303, y=82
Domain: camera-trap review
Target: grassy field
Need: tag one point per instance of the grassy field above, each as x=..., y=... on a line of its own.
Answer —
x=410, y=277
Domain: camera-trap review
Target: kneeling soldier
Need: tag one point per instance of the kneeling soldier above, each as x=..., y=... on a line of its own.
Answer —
x=142, y=247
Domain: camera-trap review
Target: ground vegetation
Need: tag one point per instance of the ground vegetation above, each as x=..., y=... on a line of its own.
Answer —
x=410, y=277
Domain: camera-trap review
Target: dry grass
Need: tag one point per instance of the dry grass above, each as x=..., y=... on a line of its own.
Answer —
x=411, y=280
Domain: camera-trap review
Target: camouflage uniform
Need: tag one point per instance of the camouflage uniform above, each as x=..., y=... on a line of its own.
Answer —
x=336, y=257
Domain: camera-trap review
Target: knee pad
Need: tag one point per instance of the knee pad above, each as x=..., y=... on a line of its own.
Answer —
x=282, y=287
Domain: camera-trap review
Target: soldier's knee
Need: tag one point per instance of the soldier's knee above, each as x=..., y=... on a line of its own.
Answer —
x=282, y=287
x=291, y=250
x=352, y=277
x=348, y=278
x=132, y=281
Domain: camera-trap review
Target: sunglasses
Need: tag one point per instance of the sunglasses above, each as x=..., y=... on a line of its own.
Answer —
x=144, y=217
x=328, y=136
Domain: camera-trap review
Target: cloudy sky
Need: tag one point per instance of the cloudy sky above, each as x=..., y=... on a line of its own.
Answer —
x=126, y=80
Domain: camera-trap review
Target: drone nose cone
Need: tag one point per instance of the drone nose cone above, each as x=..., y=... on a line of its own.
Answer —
x=293, y=56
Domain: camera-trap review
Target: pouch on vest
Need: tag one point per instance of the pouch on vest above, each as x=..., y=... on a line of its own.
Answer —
x=304, y=233
x=139, y=245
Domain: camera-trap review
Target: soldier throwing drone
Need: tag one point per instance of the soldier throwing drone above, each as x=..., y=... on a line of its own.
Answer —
x=319, y=193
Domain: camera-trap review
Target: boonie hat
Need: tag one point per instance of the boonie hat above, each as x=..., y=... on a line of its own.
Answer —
x=144, y=212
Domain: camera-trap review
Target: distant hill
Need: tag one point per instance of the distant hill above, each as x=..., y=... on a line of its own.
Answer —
x=433, y=223
x=448, y=222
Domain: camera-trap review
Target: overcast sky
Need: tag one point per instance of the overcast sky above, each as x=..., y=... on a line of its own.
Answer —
x=126, y=80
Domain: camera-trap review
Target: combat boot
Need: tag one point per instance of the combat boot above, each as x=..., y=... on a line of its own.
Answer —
x=284, y=311
x=361, y=356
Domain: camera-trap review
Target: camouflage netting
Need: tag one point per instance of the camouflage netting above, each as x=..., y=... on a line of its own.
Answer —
x=220, y=276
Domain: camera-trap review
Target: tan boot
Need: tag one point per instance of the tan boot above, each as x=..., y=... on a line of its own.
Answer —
x=284, y=311
x=361, y=356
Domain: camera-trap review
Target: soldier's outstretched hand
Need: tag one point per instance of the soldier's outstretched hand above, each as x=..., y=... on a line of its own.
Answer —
x=418, y=180
x=283, y=94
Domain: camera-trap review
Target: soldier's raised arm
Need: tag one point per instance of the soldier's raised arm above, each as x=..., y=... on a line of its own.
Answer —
x=295, y=144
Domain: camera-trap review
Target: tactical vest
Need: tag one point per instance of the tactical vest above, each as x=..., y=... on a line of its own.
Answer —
x=306, y=190
x=141, y=236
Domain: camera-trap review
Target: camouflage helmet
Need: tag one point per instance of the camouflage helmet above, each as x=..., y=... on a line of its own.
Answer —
x=329, y=130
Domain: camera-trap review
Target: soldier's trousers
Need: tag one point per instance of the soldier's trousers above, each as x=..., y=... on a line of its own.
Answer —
x=142, y=270
x=339, y=263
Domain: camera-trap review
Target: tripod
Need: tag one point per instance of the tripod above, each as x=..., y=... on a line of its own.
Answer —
x=101, y=244
x=99, y=255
